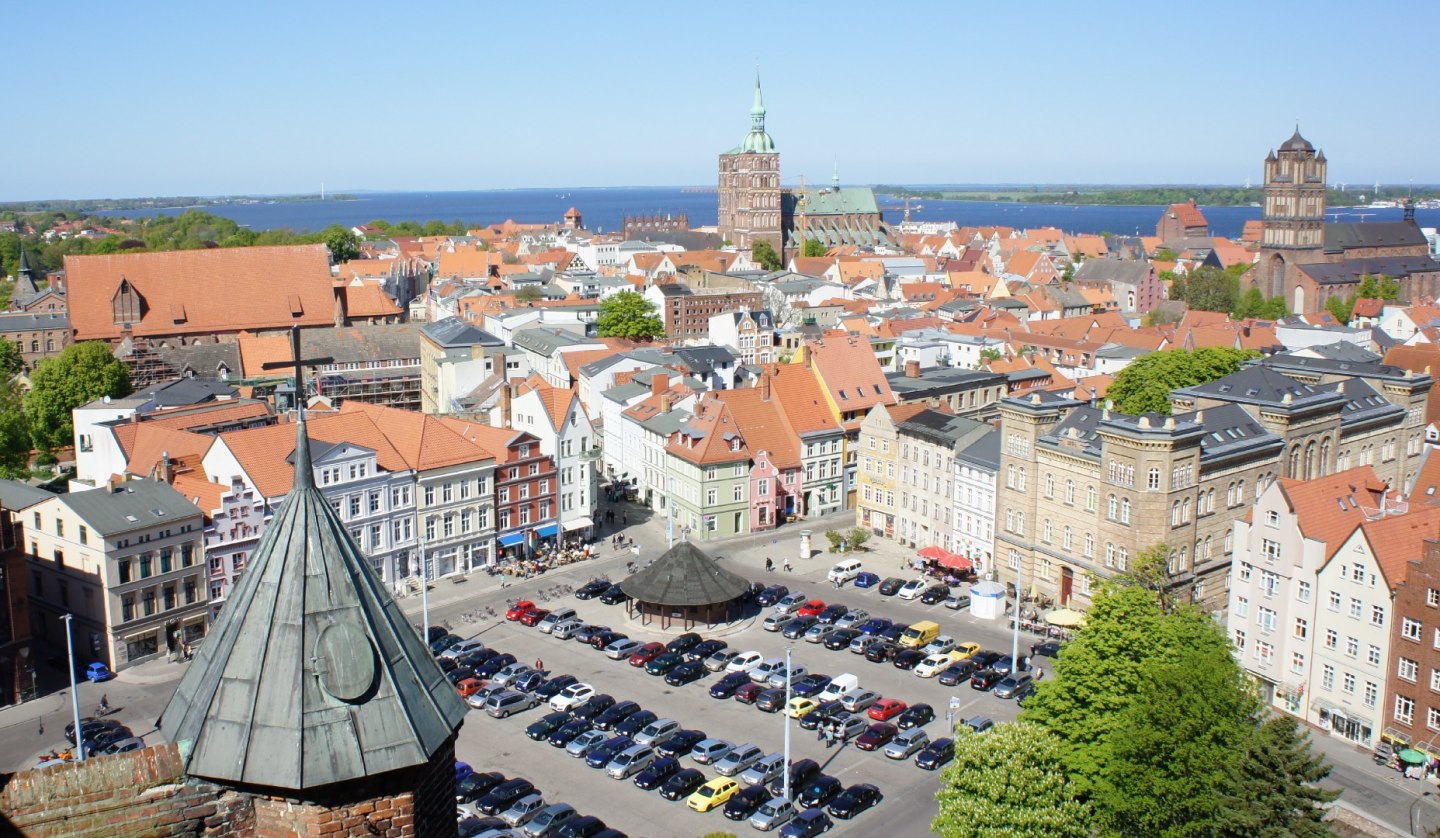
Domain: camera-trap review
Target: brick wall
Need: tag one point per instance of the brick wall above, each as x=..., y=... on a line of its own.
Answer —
x=145, y=793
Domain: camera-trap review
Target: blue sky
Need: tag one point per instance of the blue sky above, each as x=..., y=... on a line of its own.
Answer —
x=202, y=98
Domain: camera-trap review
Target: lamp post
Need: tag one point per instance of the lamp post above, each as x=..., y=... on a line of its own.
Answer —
x=1015, y=638
x=424, y=598
x=669, y=505
x=1415, y=813
x=785, y=715
x=74, y=695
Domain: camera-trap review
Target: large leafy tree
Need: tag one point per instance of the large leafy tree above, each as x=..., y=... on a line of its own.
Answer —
x=344, y=244
x=1207, y=289
x=629, y=315
x=14, y=432
x=765, y=256
x=82, y=373
x=1144, y=386
x=1255, y=304
x=1009, y=782
x=813, y=247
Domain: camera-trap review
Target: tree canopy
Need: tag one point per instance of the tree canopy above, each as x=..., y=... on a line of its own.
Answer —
x=1370, y=288
x=813, y=247
x=1207, y=289
x=1009, y=782
x=764, y=255
x=629, y=315
x=344, y=244
x=1144, y=386
x=1255, y=304
x=82, y=373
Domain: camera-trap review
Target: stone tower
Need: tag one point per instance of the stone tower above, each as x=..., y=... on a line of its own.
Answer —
x=750, y=185
x=1294, y=214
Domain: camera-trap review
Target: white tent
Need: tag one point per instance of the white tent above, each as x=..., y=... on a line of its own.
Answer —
x=987, y=600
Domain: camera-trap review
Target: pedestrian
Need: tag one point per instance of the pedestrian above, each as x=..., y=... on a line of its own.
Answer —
x=625, y=519
x=787, y=565
x=41, y=734
x=539, y=665
x=769, y=565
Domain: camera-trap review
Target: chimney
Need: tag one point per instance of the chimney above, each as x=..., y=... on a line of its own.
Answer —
x=765, y=386
x=666, y=402
x=659, y=383
x=912, y=369
x=507, y=395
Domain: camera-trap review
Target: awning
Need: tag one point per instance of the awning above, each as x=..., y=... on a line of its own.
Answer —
x=547, y=531
x=578, y=523
x=512, y=539
x=945, y=557
x=1065, y=618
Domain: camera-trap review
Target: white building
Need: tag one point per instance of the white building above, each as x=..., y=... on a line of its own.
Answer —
x=976, y=466
x=556, y=418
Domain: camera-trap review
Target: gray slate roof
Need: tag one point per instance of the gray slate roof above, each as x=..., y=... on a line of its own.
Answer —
x=15, y=495
x=1354, y=270
x=452, y=331
x=33, y=321
x=132, y=505
x=1372, y=234
x=1124, y=271
x=312, y=675
x=684, y=576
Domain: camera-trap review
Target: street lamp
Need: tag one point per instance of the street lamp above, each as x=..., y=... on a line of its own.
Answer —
x=1415, y=813
x=74, y=696
x=785, y=716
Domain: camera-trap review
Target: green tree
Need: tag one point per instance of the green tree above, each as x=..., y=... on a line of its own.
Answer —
x=1010, y=782
x=1341, y=309
x=528, y=294
x=1165, y=254
x=835, y=537
x=1149, y=571
x=990, y=355
x=1255, y=304
x=813, y=247
x=629, y=315
x=857, y=537
x=1382, y=287
x=14, y=433
x=344, y=244
x=1144, y=386
x=82, y=373
x=1275, y=786
x=11, y=361
x=1207, y=289
x=765, y=256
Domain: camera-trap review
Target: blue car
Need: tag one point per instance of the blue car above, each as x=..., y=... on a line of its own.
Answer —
x=867, y=580
x=876, y=625
x=600, y=755
x=810, y=685
x=726, y=686
x=98, y=672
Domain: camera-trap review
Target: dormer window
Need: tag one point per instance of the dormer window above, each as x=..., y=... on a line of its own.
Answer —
x=127, y=304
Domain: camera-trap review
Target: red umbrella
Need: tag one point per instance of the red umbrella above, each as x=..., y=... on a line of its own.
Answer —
x=934, y=552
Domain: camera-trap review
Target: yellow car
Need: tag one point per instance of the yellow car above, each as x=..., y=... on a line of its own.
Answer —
x=712, y=794
x=965, y=650
x=799, y=706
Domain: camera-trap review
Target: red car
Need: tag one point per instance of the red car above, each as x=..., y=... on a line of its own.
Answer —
x=811, y=609
x=469, y=686
x=875, y=736
x=748, y=693
x=886, y=709
x=533, y=616
x=518, y=609
x=647, y=653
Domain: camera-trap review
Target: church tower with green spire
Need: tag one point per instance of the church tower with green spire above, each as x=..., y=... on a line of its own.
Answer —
x=750, y=185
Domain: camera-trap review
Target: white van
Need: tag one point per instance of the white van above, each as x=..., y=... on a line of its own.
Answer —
x=844, y=571
x=838, y=686
x=555, y=618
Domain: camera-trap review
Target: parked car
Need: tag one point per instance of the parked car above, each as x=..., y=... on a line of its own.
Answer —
x=935, y=594
x=659, y=771
x=792, y=601
x=623, y=649
x=444, y=641
x=587, y=632
x=933, y=665
x=810, y=685
x=519, y=610
x=591, y=709
x=854, y=800
x=636, y=722
x=819, y=791
x=745, y=802
x=979, y=724
x=797, y=627
x=858, y=699
x=818, y=632
x=511, y=672
x=464, y=647
x=906, y=743
x=533, y=617
x=523, y=810
x=956, y=601
x=819, y=715
x=875, y=625
x=504, y=795
x=936, y=754
x=124, y=745
x=853, y=618
x=832, y=612
x=800, y=707
x=476, y=785
x=601, y=755
x=876, y=736
x=1047, y=648
x=881, y=652
x=585, y=826
x=808, y=824
x=682, y=783
x=686, y=672
x=613, y=595
x=1013, y=684
x=711, y=751
x=600, y=641
x=760, y=674
x=572, y=696
x=781, y=674
x=716, y=792
x=811, y=608
x=502, y=705
x=914, y=588
x=657, y=731
x=841, y=638
x=680, y=743
x=582, y=744
x=866, y=579
x=777, y=621
x=843, y=726
x=541, y=728
x=771, y=595
x=891, y=586
x=957, y=672
x=566, y=733
x=985, y=680
x=684, y=642
x=616, y=714
x=728, y=684
x=738, y=759
x=771, y=700
x=554, y=686
x=764, y=770
x=860, y=645
x=592, y=589
x=886, y=709
x=721, y=659
x=664, y=663
x=802, y=771
x=907, y=659
x=549, y=820
x=773, y=814
x=916, y=715
x=703, y=650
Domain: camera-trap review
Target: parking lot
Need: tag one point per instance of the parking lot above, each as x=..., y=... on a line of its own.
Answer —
x=908, y=805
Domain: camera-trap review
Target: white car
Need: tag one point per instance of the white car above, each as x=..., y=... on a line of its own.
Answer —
x=571, y=697
x=914, y=588
x=933, y=665
x=852, y=619
x=744, y=662
x=943, y=643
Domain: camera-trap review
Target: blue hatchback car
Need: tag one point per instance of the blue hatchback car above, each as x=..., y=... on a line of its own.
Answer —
x=867, y=580
x=97, y=672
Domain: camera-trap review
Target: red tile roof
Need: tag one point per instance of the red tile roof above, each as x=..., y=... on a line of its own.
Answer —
x=712, y=435
x=368, y=300
x=849, y=371
x=421, y=440
x=1329, y=508
x=1397, y=539
x=203, y=291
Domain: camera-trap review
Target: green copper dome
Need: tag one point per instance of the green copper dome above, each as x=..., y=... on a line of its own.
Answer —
x=757, y=140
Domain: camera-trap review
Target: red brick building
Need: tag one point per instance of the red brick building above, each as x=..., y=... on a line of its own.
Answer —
x=1180, y=223
x=1412, y=716
x=524, y=487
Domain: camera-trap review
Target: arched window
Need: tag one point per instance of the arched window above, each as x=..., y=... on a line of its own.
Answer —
x=1185, y=511
x=1049, y=485
x=1065, y=535
x=1046, y=531
x=1109, y=554
x=1090, y=495
x=1310, y=472
x=1113, y=509
x=1125, y=511
x=1089, y=545
x=1294, y=469
x=1175, y=514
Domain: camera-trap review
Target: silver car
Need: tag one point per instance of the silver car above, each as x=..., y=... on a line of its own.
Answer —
x=772, y=814
x=862, y=644
x=739, y=759
x=710, y=751
x=764, y=771
x=622, y=649
x=776, y=621
x=852, y=619
x=791, y=602
x=906, y=743
x=581, y=744
x=511, y=672
x=778, y=676
x=818, y=632
x=523, y=810
x=630, y=761
x=720, y=659
x=857, y=700
x=762, y=673
x=565, y=629
x=657, y=731
x=549, y=819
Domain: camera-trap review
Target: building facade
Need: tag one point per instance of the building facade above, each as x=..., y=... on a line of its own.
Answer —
x=1412, y=709
x=749, y=186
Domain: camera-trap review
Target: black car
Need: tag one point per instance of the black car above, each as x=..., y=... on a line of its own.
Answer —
x=957, y=672
x=682, y=784
x=935, y=594
x=585, y=826
x=811, y=685
x=568, y=731
x=892, y=634
x=796, y=628
x=477, y=785
x=985, y=680
x=744, y=804
x=882, y=651
x=771, y=700
x=704, y=649
x=587, y=632
x=832, y=613
x=936, y=754
x=434, y=633
x=475, y=825
x=460, y=673
x=600, y=755
x=553, y=686
x=605, y=638
x=664, y=663
x=771, y=595
x=802, y=771
x=592, y=709
x=445, y=641
x=808, y=824
x=659, y=771
x=727, y=685
x=985, y=659
x=616, y=714
x=448, y=665
x=916, y=715
x=840, y=638
x=908, y=658
x=541, y=728
x=636, y=722
x=592, y=589
x=854, y=800
x=494, y=665
x=477, y=657
x=91, y=728
x=685, y=673
x=612, y=596
x=684, y=642
x=891, y=586
x=1048, y=648
x=681, y=743
x=813, y=719
x=502, y=796
x=818, y=792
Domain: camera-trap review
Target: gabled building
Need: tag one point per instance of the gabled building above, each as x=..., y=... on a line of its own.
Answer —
x=557, y=419
x=709, y=473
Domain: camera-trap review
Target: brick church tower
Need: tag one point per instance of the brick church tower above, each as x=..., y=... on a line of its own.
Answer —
x=1294, y=216
x=750, y=186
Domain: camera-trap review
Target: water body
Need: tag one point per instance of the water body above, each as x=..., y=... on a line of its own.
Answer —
x=604, y=209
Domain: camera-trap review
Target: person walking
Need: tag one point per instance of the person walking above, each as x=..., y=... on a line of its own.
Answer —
x=539, y=665
x=624, y=519
x=787, y=565
x=769, y=565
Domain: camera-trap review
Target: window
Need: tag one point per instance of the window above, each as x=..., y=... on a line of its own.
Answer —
x=1377, y=615
x=1335, y=605
x=1242, y=606
x=1272, y=519
x=1432, y=718
x=1410, y=629
x=1332, y=638
x=1270, y=550
x=1113, y=508
x=1049, y=485
x=1357, y=572
x=1302, y=628
x=1357, y=608
x=1125, y=511
x=1408, y=669
x=84, y=534
x=430, y=528
x=1153, y=481
x=739, y=492
x=1435, y=679
x=1066, y=538
x=1090, y=498
x=1371, y=694
x=374, y=502
x=1070, y=491
x=1372, y=655
x=1266, y=619
x=1239, y=640
x=1327, y=677
x=1352, y=646
x=1304, y=593
x=1089, y=545
x=430, y=490
x=1347, y=682
x=354, y=506
x=1297, y=663
x=711, y=497
x=1404, y=709
x=127, y=607
x=1045, y=531
x=1264, y=652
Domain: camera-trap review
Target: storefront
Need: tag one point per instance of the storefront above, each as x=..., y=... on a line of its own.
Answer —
x=1343, y=722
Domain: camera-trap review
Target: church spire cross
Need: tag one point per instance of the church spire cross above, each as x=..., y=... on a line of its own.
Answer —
x=303, y=477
